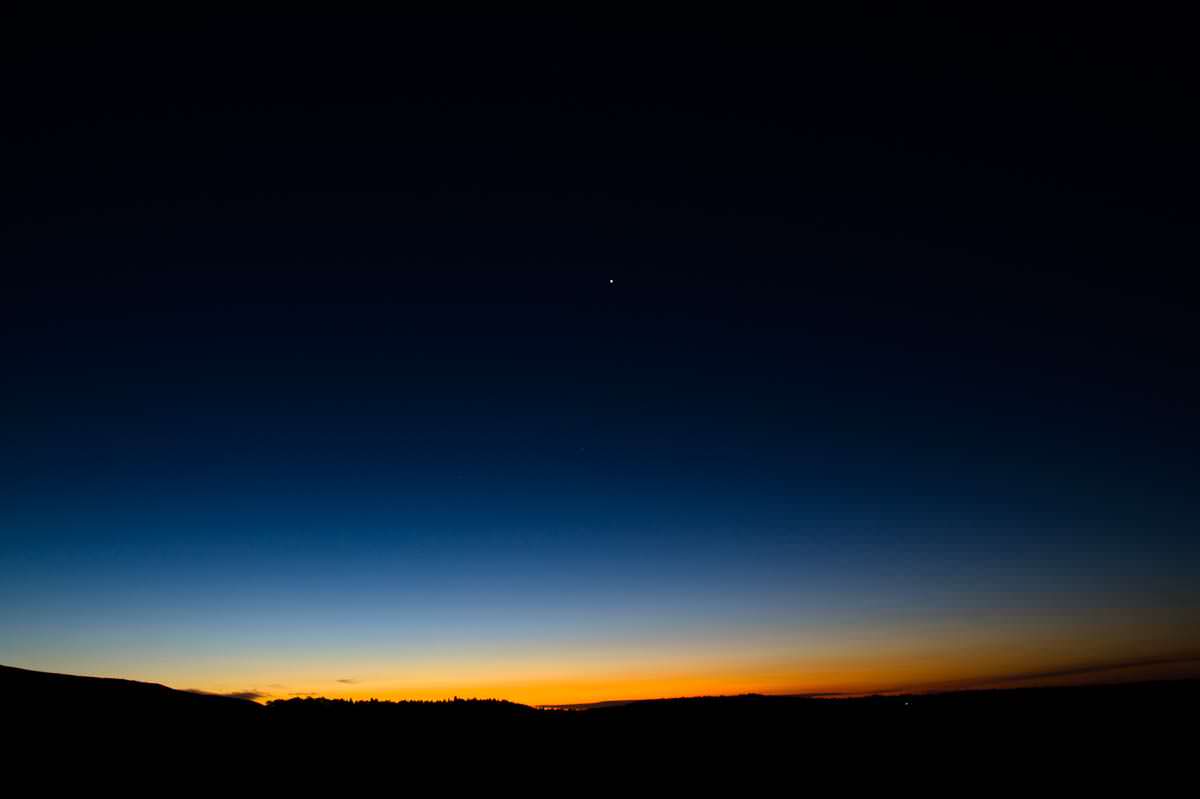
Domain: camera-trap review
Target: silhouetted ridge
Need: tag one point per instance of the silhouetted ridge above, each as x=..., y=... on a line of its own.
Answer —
x=45, y=694
x=122, y=711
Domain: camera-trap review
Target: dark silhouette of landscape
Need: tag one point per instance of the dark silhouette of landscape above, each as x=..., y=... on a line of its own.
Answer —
x=1038, y=719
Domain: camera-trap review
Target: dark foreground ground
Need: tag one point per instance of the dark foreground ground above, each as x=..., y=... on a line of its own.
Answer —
x=1084, y=727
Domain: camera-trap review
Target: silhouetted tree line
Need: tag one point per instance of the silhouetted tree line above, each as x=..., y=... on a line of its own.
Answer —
x=457, y=708
x=401, y=703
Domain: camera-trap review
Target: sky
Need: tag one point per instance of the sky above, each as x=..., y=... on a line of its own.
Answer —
x=566, y=359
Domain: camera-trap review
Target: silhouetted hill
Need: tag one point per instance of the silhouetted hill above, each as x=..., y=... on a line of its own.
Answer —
x=52, y=698
x=1040, y=722
x=1077, y=702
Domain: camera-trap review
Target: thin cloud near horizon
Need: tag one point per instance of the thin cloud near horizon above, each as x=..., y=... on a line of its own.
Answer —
x=1080, y=670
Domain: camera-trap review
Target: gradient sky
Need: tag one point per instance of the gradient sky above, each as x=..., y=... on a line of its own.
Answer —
x=562, y=361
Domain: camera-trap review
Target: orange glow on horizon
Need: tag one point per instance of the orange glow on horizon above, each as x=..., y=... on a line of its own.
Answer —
x=850, y=660
x=843, y=681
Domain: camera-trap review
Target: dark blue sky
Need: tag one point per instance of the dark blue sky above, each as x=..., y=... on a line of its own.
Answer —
x=670, y=344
